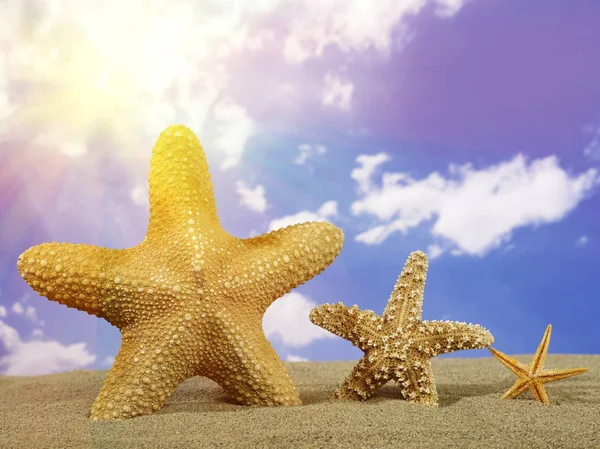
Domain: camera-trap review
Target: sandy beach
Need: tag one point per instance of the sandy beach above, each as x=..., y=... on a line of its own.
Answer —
x=52, y=411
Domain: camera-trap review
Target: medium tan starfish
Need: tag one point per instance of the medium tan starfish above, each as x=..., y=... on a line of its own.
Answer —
x=534, y=376
x=190, y=298
x=398, y=345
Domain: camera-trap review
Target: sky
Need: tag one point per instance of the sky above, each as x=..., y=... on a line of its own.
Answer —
x=468, y=129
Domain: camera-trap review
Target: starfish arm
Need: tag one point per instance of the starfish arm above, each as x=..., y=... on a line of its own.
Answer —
x=246, y=366
x=442, y=337
x=361, y=383
x=539, y=392
x=417, y=384
x=519, y=387
x=361, y=327
x=79, y=276
x=282, y=259
x=520, y=369
x=558, y=374
x=149, y=366
x=405, y=304
x=181, y=192
x=540, y=355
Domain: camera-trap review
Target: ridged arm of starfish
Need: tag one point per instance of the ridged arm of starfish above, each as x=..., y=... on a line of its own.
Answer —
x=520, y=369
x=542, y=351
x=442, y=337
x=153, y=361
x=180, y=184
x=558, y=374
x=416, y=382
x=405, y=305
x=243, y=362
x=76, y=275
x=266, y=267
x=366, y=377
x=520, y=386
x=360, y=327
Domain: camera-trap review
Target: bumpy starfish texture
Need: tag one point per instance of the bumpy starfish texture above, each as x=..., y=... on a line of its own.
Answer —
x=534, y=376
x=398, y=345
x=190, y=298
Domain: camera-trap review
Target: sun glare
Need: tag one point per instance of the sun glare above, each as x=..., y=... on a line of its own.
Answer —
x=101, y=72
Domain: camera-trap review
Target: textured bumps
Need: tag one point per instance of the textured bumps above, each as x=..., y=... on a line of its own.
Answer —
x=189, y=300
x=398, y=345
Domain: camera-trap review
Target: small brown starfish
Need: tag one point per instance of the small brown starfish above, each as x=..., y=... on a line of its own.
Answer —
x=398, y=345
x=534, y=376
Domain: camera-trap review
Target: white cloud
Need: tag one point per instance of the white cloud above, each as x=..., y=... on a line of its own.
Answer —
x=287, y=319
x=37, y=333
x=474, y=210
x=582, y=240
x=326, y=212
x=18, y=308
x=253, y=199
x=307, y=151
x=337, y=92
x=113, y=70
x=353, y=25
x=108, y=360
x=296, y=358
x=434, y=251
x=592, y=149
x=39, y=357
x=139, y=196
x=233, y=129
x=368, y=165
x=31, y=313
x=2, y=311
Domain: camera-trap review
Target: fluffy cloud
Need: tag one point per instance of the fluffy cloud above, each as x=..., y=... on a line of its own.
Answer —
x=592, y=149
x=123, y=70
x=368, y=164
x=253, y=199
x=287, y=320
x=18, y=308
x=39, y=357
x=307, y=151
x=2, y=311
x=353, y=25
x=582, y=240
x=233, y=128
x=337, y=92
x=29, y=312
x=434, y=251
x=327, y=211
x=473, y=210
x=126, y=70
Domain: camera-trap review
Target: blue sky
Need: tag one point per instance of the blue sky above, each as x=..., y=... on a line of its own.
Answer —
x=466, y=129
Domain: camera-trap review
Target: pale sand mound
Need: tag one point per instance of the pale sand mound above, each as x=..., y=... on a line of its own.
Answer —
x=52, y=411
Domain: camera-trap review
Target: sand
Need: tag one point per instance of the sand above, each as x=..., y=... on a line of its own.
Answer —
x=52, y=412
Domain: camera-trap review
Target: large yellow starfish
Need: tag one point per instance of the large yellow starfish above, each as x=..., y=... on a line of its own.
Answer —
x=398, y=345
x=534, y=376
x=189, y=300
